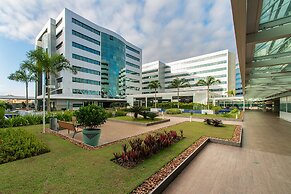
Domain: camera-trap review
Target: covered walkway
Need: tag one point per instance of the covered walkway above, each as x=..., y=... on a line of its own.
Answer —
x=262, y=165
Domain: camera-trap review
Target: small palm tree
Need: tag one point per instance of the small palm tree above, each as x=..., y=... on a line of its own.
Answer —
x=179, y=83
x=155, y=85
x=136, y=110
x=231, y=92
x=210, y=80
x=23, y=75
x=50, y=65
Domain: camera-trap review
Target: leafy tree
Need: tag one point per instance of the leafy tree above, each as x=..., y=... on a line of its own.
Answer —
x=49, y=65
x=210, y=80
x=179, y=83
x=155, y=85
x=23, y=75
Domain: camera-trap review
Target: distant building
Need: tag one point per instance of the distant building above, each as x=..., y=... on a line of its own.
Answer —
x=109, y=67
x=238, y=85
x=220, y=65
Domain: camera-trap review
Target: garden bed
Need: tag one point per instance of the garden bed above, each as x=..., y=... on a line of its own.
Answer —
x=159, y=181
x=138, y=121
x=203, y=116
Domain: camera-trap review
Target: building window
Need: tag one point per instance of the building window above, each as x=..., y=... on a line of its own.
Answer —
x=132, y=65
x=132, y=57
x=88, y=60
x=82, y=47
x=86, y=70
x=59, y=34
x=132, y=72
x=132, y=49
x=86, y=92
x=85, y=26
x=85, y=81
x=59, y=45
x=83, y=36
x=59, y=22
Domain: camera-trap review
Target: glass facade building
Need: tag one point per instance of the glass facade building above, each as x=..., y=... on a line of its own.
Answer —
x=108, y=67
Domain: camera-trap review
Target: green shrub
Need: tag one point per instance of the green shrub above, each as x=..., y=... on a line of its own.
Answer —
x=33, y=119
x=120, y=113
x=91, y=116
x=18, y=144
x=191, y=105
x=152, y=115
x=235, y=110
x=109, y=114
x=173, y=111
x=216, y=108
x=2, y=113
x=19, y=121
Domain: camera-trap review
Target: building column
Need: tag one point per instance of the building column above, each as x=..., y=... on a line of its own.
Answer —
x=146, y=101
x=244, y=105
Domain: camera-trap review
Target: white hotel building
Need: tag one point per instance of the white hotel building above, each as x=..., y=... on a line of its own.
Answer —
x=220, y=65
x=109, y=67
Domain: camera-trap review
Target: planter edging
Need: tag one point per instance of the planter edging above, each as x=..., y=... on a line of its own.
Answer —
x=138, y=123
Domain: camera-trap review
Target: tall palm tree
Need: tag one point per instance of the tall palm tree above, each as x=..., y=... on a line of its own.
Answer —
x=210, y=80
x=23, y=75
x=155, y=85
x=49, y=65
x=36, y=70
x=179, y=83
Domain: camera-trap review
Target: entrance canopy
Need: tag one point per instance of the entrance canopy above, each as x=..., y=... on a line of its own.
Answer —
x=263, y=38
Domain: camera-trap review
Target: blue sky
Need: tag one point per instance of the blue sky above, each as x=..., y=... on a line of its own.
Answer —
x=166, y=30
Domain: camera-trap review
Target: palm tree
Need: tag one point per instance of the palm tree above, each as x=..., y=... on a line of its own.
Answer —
x=179, y=83
x=231, y=92
x=49, y=65
x=23, y=75
x=155, y=85
x=210, y=80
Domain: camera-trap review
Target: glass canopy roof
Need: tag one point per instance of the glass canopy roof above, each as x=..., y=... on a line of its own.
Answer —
x=275, y=9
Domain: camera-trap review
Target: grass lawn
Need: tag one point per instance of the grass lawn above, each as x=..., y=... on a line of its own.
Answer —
x=139, y=119
x=211, y=116
x=71, y=169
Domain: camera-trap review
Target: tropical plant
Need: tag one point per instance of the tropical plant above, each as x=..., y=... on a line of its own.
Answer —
x=136, y=110
x=173, y=111
x=179, y=83
x=231, y=92
x=49, y=65
x=91, y=116
x=23, y=75
x=209, y=81
x=155, y=85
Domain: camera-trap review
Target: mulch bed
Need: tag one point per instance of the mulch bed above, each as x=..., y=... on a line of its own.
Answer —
x=151, y=183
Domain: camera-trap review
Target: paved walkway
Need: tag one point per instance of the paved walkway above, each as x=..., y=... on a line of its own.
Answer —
x=112, y=131
x=263, y=165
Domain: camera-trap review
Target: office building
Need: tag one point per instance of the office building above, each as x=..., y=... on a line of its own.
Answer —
x=109, y=67
x=220, y=65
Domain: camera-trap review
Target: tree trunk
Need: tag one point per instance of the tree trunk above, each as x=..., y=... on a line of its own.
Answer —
x=155, y=98
x=208, y=97
x=26, y=92
x=48, y=93
x=178, y=98
x=35, y=96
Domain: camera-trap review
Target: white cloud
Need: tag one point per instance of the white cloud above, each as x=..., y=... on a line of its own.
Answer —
x=165, y=29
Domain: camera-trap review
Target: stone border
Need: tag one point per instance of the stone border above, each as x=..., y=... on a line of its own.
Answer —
x=219, y=118
x=139, y=123
x=159, y=181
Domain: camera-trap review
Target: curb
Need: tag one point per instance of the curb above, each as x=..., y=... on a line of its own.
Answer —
x=141, y=124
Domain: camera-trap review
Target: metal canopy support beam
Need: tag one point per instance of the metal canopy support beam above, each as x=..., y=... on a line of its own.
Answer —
x=274, y=23
x=268, y=63
x=270, y=34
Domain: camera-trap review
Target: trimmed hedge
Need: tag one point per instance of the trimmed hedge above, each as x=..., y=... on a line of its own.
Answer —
x=120, y=113
x=18, y=144
x=194, y=106
x=34, y=119
x=173, y=111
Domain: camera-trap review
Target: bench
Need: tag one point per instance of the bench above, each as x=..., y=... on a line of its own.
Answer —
x=69, y=127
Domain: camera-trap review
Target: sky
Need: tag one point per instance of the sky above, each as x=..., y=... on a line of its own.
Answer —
x=165, y=30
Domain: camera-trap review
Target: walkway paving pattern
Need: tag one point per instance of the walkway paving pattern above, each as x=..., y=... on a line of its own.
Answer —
x=262, y=165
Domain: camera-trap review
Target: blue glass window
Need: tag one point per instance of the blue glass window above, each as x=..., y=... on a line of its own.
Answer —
x=85, y=81
x=86, y=70
x=87, y=92
x=85, y=48
x=132, y=65
x=85, y=26
x=132, y=57
x=88, y=60
x=83, y=36
x=132, y=49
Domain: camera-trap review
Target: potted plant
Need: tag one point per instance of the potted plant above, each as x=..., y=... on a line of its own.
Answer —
x=91, y=117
